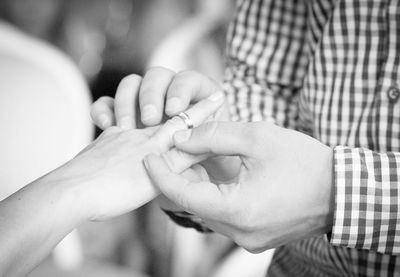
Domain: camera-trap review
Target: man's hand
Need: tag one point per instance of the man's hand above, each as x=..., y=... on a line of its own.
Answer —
x=283, y=192
x=148, y=101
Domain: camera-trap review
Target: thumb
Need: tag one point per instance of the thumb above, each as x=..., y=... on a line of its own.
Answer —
x=219, y=138
x=201, y=198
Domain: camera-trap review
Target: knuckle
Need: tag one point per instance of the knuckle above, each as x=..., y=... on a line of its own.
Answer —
x=96, y=105
x=158, y=70
x=130, y=79
x=155, y=73
x=153, y=84
x=196, y=80
x=186, y=78
x=111, y=130
x=188, y=74
x=104, y=99
x=127, y=89
x=147, y=90
x=190, y=82
x=104, y=102
x=173, y=125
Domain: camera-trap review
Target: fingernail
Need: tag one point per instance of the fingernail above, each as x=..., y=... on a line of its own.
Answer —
x=125, y=122
x=104, y=121
x=182, y=136
x=173, y=104
x=216, y=96
x=149, y=112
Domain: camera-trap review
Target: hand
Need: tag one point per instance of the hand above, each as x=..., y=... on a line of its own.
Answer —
x=283, y=192
x=109, y=176
x=141, y=101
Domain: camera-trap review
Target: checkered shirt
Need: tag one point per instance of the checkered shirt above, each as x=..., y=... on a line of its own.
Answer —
x=330, y=69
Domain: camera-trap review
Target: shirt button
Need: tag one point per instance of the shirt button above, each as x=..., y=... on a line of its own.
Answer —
x=393, y=94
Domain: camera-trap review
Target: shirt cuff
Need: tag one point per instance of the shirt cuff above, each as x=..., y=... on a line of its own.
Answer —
x=367, y=200
x=188, y=220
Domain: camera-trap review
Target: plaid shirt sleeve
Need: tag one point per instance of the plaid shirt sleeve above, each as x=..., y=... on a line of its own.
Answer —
x=262, y=35
x=267, y=57
x=367, y=204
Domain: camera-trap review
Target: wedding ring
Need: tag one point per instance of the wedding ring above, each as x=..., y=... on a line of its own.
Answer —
x=185, y=117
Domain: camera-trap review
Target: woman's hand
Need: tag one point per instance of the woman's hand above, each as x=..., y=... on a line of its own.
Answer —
x=283, y=192
x=105, y=180
x=109, y=175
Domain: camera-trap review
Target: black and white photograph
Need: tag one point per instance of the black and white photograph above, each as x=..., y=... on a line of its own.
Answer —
x=199, y=138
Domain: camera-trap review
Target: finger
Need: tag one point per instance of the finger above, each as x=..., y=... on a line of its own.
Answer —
x=102, y=112
x=195, y=174
x=178, y=161
x=220, y=138
x=201, y=198
x=187, y=87
x=222, y=169
x=197, y=113
x=125, y=101
x=200, y=171
x=152, y=94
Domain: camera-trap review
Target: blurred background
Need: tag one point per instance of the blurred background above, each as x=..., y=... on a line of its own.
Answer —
x=56, y=57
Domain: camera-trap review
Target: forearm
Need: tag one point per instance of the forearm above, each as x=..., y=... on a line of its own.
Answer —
x=32, y=221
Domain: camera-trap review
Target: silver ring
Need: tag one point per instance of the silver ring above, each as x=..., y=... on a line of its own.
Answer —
x=185, y=117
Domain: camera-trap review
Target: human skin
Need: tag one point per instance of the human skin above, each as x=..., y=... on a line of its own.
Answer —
x=104, y=180
x=287, y=173
x=283, y=192
x=160, y=94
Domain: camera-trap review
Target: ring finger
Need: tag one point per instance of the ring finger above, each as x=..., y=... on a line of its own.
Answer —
x=197, y=114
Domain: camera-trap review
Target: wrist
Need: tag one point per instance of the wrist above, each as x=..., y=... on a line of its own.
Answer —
x=67, y=197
